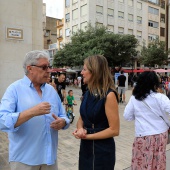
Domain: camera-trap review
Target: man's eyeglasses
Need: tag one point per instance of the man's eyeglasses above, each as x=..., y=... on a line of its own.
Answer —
x=43, y=67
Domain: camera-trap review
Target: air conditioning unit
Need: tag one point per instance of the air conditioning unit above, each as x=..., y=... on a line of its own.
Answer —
x=46, y=34
x=156, y=66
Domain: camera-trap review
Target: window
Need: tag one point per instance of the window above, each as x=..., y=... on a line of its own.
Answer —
x=139, y=34
x=139, y=20
x=163, y=18
x=154, y=1
x=99, y=9
x=153, y=10
x=67, y=17
x=130, y=31
x=83, y=25
x=153, y=24
x=83, y=10
x=120, y=30
x=130, y=2
x=110, y=12
x=152, y=37
x=67, y=32
x=75, y=1
x=60, y=45
x=163, y=4
x=122, y=1
x=60, y=32
x=47, y=33
x=74, y=29
x=67, y=3
x=162, y=32
x=110, y=28
x=98, y=24
x=50, y=53
x=130, y=17
x=139, y=5
x=120, y=14
x=75, y=14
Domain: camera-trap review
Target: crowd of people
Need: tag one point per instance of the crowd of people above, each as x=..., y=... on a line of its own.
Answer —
x=32, y=113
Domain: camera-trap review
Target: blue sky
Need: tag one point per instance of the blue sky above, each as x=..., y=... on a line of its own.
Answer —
x=54, y=8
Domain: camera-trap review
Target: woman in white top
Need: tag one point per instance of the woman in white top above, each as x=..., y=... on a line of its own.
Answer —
x=148, y=108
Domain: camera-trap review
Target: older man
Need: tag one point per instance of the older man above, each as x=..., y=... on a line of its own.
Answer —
x=31, y=112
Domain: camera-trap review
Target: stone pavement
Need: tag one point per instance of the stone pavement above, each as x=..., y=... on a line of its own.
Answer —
x=69, y=146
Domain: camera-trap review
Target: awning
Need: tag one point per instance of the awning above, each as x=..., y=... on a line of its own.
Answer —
x=55, y=70
x=161, y=70
x=71, y=71
x=134, y=70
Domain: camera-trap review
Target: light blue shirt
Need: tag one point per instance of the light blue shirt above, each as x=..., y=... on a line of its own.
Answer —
x=33, y=142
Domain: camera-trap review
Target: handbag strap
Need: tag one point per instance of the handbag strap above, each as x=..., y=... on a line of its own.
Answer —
x=154, y=112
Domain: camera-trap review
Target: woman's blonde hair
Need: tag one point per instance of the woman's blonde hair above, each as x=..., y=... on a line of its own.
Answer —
x=101, y=78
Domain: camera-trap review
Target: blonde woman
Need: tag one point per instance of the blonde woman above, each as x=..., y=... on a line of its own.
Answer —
x=99, y=119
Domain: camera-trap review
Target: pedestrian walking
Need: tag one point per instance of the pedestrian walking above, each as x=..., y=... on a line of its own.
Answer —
x=32, y=114
x=83, y=89
x=148, y=108
x=121, y=86
x=61, y=86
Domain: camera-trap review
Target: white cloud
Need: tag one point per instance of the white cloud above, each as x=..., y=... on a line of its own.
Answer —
x=54, y=8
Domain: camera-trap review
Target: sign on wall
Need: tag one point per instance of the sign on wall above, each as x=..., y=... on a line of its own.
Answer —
x=14, y=33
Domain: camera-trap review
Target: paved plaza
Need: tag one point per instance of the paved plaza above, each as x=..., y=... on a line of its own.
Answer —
x=69, y=146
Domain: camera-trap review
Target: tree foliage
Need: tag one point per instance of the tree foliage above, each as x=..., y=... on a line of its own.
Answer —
x=155, y=53
x=116, y=48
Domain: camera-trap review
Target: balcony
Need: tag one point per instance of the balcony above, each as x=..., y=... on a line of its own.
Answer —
x=59, y=24
x=59, y=36
x=49, y=41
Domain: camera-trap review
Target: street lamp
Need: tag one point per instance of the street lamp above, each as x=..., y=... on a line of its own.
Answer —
x=132, y=63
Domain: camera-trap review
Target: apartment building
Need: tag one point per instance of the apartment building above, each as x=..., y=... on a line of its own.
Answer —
x=60, y=27
x=50, y=32
x=52, y=28
x=146, y=19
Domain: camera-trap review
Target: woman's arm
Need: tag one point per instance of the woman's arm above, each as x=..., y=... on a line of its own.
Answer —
x=129, y=111
x=112, y=113
x=80, y=123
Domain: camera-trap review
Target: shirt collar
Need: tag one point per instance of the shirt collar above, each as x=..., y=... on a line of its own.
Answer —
x=28, y=82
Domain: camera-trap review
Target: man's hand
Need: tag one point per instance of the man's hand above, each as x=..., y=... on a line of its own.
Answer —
x=41, y=109
x=58, y=123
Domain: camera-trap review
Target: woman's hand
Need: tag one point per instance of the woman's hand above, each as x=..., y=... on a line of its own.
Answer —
x=80, y=133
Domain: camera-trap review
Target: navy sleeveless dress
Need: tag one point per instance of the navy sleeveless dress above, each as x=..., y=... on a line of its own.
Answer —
x=95, y=154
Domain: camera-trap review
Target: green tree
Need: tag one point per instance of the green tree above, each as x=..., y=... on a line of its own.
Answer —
x=155, y=53
x=96, y=40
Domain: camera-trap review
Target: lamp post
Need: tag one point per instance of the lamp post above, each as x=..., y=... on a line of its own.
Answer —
x=132, y=64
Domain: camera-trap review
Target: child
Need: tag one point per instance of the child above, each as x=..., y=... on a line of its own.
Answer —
x=70, y=100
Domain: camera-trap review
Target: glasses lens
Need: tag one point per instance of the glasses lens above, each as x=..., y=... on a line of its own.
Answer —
x=45, y=67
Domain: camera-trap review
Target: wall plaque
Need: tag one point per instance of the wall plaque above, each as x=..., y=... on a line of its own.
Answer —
x=14, y=33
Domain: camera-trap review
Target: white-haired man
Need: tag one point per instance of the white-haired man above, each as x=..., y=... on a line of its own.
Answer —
x=31, y=112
